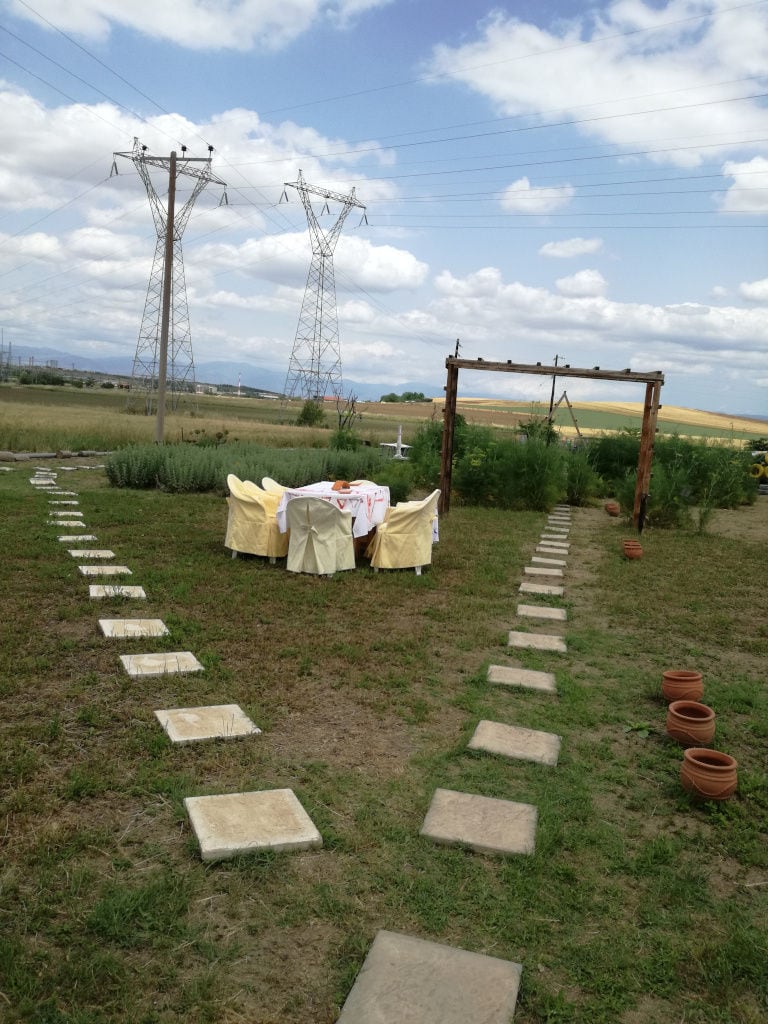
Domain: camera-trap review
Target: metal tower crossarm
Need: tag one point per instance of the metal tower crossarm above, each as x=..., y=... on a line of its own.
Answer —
x=323, y=243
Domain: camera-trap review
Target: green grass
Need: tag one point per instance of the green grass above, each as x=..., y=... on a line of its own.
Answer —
x=638, y=906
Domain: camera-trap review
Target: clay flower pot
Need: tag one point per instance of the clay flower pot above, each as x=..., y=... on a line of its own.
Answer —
x=612, y=508
x=682, y=684
x=708, y=774
x=632, y=549
x=690, y=723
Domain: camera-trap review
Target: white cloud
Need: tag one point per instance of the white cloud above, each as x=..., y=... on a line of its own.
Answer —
x=584, y=284
x=522, y=197
x=567, y=248
x=200, y=24
x=601, y=63
x=749, y=192
x=755, y=291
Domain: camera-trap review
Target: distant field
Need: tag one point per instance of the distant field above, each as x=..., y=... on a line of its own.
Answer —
x=595, y=417
x=38, y=418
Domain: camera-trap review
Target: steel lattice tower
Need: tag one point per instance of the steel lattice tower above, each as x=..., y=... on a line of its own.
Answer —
x=165, y=307
x=314, y=369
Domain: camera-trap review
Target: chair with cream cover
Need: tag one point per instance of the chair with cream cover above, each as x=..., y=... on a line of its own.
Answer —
x=272, y=486
x=252, y=524
x=404, y=539
x=321, y=537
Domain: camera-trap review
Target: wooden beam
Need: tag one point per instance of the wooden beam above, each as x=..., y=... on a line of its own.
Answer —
x=595, y=373
x=446, y=450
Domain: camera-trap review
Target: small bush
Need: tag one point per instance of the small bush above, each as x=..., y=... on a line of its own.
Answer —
x=581, y=480
x=311, y=415
x=344, y=439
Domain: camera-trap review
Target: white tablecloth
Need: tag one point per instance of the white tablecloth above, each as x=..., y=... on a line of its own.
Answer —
x=368, y=505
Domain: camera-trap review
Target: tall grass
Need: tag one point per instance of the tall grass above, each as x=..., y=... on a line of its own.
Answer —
x=187, y=468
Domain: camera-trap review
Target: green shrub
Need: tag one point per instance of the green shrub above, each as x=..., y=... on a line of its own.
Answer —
x=344, y=439
x=397, y=475
x=581, y=480
x=311, y=415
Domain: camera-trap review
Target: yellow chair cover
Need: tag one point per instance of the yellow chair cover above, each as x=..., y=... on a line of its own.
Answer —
x=268, y=484
x=252, y=523
x=404, y=539
x=321, y=537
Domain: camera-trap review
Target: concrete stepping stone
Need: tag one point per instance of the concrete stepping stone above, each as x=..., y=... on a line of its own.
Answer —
x=481, y=823
x=538, y=560
x=558, y=535
x=406, y=980
x=160, y=664
x=97, y=590
x=219, y=721
x=73, y=538
x=68, y=501
x=235, y=823
x=517, y=742
x=542, y=570
x=559, y=520
x=528, y=678
x=549, y=590
x=72, y=494
x=67, y=522
x=133, y=627
x=553, y=549
x=541, y=611
x=69, y=514
x=537, y=642
x=91, y=553
x=105, y=570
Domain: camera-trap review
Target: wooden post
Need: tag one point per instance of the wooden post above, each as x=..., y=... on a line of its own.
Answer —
x=165, y=311
x=645, y=458
x=449, y=423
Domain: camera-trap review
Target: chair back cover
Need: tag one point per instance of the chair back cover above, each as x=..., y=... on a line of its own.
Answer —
x=272, y=485
x=404, y=539
x=252, y=524
x=321, y=537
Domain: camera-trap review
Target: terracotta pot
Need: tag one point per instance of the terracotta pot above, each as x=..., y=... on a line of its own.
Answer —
x=682, y=684
x=690, y=723
x=612, y=508
x=709, y=774
x=633, y=549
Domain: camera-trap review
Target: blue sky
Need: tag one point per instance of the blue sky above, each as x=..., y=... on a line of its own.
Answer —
x=540, y=179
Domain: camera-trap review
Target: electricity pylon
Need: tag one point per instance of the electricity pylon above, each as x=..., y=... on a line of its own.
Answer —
x=314, y=369
x=166, y=313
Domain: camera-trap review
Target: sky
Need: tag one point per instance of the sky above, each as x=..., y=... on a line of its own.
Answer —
x=540, y=179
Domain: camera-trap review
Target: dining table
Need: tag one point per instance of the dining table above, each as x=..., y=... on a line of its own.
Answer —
x=368, y=503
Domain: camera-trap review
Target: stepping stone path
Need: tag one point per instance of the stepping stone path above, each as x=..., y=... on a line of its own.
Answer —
x=160, y=664
x=536, y=611
x=236, y=823
x=482, y=823
x=220, y=721
x=514, y=741
x=406, y=980
x=97, y=590
x=529, y=679
x=133, y=627
x=105, y=570
x=537, y=642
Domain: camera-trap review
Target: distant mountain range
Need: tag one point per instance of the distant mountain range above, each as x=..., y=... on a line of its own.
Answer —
x=216, y=372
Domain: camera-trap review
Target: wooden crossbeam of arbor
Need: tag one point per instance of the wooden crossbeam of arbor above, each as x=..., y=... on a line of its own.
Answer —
x=653, y=381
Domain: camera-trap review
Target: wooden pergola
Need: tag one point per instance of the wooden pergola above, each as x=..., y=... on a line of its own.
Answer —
x=652, y=380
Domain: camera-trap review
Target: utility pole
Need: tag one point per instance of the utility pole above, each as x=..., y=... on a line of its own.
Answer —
x=166, y=315
x=315, y=364
x=551, y=403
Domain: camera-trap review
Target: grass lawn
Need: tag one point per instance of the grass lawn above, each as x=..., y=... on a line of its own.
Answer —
x=639, y=906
